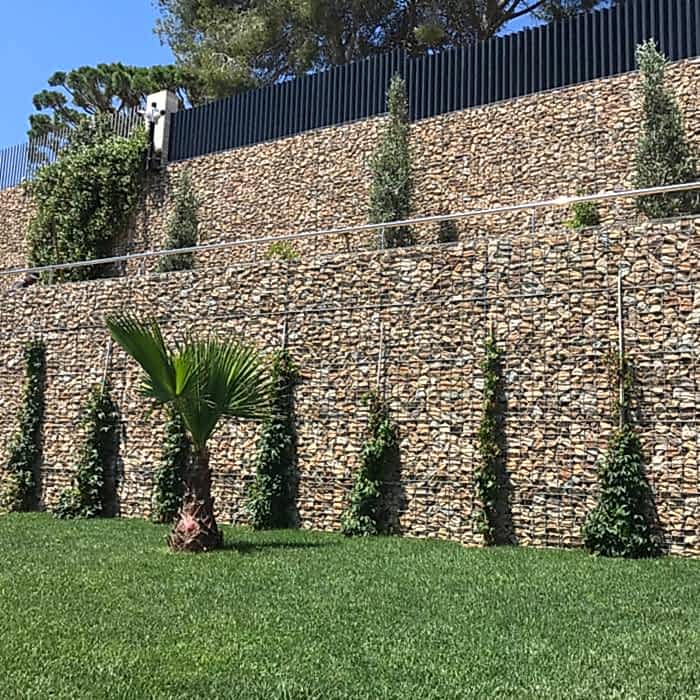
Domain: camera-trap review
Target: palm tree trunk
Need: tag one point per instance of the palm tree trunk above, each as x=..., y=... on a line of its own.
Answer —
x=195, y=530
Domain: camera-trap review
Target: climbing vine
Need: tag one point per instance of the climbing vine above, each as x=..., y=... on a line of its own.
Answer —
x=18, y=489
x=622, y=524
x=271, y=496
x=363, y=517
x=84, y=201
x=487, y=471
x=90, y=495
x=169, y=487
x=182, y=227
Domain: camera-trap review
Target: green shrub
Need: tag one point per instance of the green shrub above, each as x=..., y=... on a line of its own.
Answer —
x=621, y=525
x=283, y=250
x=583, y=214
x=169, y=488
x=18, y=487
x=271, y=496
x=84, y=200
x=89, y=496
x=488, y=467
x=363, y=516
x=182, y=227
x=663, y=156
x=392, y=182
x=623, y=522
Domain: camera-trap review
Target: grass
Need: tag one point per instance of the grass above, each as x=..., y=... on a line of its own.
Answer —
x=101, y=609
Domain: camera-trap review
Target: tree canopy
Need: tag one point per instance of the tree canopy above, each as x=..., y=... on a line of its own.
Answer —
x=108, y=88
x=232, y=45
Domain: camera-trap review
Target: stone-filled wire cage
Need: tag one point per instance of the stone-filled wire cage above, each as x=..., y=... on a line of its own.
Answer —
x=417, y=319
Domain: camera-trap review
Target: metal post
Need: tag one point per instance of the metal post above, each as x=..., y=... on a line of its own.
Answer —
x=285, y=331
x=620, y=350
x=380, y=356
x=108, y=362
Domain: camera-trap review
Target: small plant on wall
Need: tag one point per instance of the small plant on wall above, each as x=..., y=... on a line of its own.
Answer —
x=488, y=472
x=84, y=201
x=664, y=155
x=282, y=250
x=623, y=522
x=271, y=497
x=182, y=227
x=583, y=215
x=167, y=497
x=392, y=182
x=18, y=485
x=92, y=493
x=363, y=517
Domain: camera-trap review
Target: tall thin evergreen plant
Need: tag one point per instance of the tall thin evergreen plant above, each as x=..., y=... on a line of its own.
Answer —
x=663, y=155
x=392, y=182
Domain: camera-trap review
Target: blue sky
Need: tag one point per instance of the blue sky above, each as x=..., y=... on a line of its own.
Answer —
x=42, y=36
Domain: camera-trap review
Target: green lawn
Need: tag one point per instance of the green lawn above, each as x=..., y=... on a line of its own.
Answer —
x=101, y=609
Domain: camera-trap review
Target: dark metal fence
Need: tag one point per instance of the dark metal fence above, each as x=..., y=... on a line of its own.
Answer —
x=19, y=163
x=576, y=50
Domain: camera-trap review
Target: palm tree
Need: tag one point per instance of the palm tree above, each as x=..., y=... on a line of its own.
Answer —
x=204, y=381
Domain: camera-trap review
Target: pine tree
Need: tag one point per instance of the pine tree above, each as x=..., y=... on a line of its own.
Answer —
x=664, y=156
x=182, y=227
x=392, y=185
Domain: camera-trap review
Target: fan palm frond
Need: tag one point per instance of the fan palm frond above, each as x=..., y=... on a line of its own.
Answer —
x=204, y=380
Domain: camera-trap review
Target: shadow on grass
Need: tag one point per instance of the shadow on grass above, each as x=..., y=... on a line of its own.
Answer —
x=254, y=547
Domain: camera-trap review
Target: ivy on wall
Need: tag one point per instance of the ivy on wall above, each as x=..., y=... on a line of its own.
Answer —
x=392, y=181
x=18, y=488
x=623, y=523
x=488, y=468
x=363, y=517
x=271, y=496
x=182, y=227
x=169, y=487
x=91, y=493
x=84, y=201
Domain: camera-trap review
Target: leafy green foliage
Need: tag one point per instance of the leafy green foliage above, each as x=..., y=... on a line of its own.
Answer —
x=487, y=469
x=84, y=201
x=583, y=214
x=623, y=522
x=392, y=182
x=89, y=495
x=363, y=516
x=167, y=498
x=271, y=496
x=182, y=227
x=283, y=250
x=18, y=487
x=664, y=155
x=204, y=381
x=621, y=525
